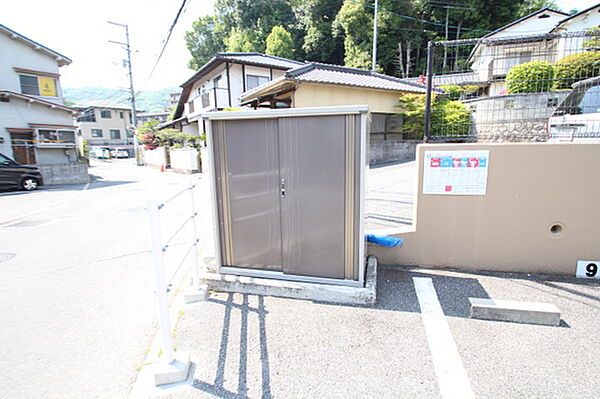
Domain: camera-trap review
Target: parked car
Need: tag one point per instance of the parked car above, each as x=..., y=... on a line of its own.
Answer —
x=15, y=175
x=119, y=153
x=100, y=152
x=577, y=117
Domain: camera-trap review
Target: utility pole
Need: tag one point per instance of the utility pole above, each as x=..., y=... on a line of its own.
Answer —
x=136, y=144
x=446, y=36
x=375, y=35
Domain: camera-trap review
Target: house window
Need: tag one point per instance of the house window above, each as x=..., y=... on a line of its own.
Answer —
x=253, y=80
x=205, y=100
x=56, y=136
x=216, y=81
x=517, y=58
x=121, y=114
x=115, y=134
x=97, y=133
x=29, y=85
x=38, y=86
x=191, y=106
x=105, y=114
x=89, y=115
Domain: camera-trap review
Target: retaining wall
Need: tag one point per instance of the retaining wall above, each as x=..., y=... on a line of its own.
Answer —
x=539, y=213
x=70, y=173
x=383, y=151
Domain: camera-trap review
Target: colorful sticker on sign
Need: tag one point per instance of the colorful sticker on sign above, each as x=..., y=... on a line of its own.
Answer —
x=455, y=172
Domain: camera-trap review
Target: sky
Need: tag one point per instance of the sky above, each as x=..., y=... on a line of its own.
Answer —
x=79, y=30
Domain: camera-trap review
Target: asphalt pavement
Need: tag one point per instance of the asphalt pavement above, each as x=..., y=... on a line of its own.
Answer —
x=76, y=283
x=390, y=196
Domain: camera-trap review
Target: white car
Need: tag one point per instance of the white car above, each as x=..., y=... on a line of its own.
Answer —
x=119, y=153
x=577, y=118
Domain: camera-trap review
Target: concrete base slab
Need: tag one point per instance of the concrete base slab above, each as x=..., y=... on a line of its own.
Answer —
x=515, y=311
x=176, y=371
x=201, y=294
x=300, y=290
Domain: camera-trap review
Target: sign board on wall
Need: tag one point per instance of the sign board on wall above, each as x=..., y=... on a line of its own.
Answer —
x=456, y=172
x=588, y=269
x=47, y=86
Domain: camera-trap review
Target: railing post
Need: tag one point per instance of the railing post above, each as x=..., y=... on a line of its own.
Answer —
x=161, y=284
x=195, y=240
x=427, y=133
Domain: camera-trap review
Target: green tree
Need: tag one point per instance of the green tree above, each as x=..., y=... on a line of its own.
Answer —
x=240, y=41
x=529, y=6
x=206, y=38
x=316, y=19
x=352, y=23
x=280, y=43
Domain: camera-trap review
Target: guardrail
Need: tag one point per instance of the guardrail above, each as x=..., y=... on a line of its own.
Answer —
x=159, y=248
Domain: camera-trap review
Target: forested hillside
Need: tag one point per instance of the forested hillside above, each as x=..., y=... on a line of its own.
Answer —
x=148, y=101
x=340, y=31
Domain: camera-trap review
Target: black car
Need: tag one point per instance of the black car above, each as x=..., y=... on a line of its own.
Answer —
x=15, y=175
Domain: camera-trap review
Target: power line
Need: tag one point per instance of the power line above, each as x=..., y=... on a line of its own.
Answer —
x=417, y=19
x=166, y=41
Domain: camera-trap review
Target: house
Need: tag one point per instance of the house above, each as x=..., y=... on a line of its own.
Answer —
x=219, y=83
x=539, y=36
x=36, y=127
x=144, y=117
x=315, y=84
x=174, y=99
x=105, y=124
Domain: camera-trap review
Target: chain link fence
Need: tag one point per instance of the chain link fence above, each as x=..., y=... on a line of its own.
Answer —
x=532, y=88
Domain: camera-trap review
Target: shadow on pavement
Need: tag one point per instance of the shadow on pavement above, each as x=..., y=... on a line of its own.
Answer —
x=383, y=165
x=217, y=387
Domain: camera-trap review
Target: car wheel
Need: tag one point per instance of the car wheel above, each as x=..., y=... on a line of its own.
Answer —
x=29, y=184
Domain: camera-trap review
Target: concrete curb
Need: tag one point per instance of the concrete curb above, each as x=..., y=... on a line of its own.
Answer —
x=300, y=290
x=514, y=311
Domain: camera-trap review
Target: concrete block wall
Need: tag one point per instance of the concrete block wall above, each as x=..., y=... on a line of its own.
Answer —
x=383, y=151
x=69, y=173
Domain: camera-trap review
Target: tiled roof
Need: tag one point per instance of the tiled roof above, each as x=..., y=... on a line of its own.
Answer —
x=8, y=93
x=339, y=75
x=261, y=59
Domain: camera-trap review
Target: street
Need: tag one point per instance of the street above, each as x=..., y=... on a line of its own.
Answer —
x=76, y=293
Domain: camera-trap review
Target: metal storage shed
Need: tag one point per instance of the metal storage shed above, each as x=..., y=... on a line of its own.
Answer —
x=288, y=193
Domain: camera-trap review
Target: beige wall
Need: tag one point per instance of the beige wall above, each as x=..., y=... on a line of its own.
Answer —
x=317, y=95
x=530, y=187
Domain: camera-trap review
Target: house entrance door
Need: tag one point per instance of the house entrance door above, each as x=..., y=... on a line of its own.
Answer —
x=23, y=149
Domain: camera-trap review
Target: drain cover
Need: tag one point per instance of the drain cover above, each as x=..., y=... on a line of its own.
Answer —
x=4, y=256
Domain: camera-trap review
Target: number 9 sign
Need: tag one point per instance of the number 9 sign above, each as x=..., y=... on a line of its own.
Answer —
x=588, y=269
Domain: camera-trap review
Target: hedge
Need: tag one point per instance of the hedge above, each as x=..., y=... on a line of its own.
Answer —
x=576, y=67
x=530, y=77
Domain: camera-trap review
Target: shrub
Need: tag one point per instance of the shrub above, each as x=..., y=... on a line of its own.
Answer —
x=455, y=92
x=576, y=67
x=448, y=117
x=530, y=77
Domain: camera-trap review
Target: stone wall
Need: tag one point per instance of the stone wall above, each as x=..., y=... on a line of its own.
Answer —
x=68, y=173
x=394, y=150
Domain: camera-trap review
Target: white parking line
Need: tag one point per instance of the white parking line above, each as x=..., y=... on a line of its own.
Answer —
x=452, y=378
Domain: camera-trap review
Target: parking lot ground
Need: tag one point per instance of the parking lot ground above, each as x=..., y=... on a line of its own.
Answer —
x=253, y=346
x=390, y=195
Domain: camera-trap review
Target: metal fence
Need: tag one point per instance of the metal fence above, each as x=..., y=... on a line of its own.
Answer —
x=514, y=88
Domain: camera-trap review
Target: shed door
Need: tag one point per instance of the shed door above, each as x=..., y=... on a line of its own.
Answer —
x=249, y=195
x=312, y=160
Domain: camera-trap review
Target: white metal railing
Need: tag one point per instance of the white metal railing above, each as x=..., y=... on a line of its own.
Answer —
x=159, y=248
